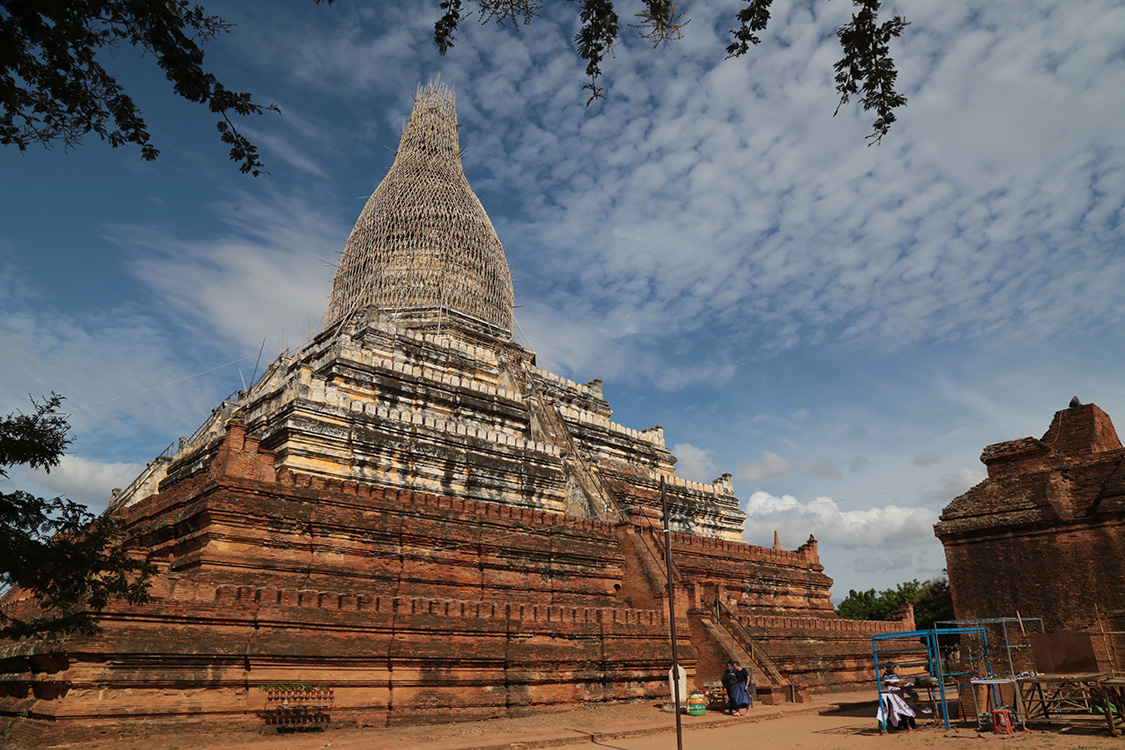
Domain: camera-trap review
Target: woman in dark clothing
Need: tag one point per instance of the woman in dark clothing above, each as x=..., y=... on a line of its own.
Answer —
x=729, y=679
x=740, y=696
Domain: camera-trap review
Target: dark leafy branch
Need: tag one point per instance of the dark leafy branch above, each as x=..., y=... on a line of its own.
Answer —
x=751, y=19
x=447, y=24
x=54, y=89
x=867, y=65
x=516, y=12
x=68, y=561
x=595, y=40
x=660, y=21
x=866, y=69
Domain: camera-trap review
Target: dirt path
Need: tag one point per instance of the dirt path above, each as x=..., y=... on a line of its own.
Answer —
x=850, y=725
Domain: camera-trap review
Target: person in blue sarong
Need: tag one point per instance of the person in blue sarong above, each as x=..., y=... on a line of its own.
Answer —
x=736, y=680
x=740, y=697
x=728, y=680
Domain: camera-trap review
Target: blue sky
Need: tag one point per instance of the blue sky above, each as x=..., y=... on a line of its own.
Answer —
x=842, y=327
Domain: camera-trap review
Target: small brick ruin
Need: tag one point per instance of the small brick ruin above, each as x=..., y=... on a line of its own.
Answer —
x=1044, y=535
x=412, y=512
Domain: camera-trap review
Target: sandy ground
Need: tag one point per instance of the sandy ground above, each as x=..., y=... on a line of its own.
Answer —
x=843, y=732
x=850, y=726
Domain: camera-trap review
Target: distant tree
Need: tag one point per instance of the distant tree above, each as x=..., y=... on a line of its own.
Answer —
x=54, y=88
x=870, y=605
x=67, y=559
x=932, y=602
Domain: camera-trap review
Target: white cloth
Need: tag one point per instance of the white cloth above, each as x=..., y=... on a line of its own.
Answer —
x=893, y=709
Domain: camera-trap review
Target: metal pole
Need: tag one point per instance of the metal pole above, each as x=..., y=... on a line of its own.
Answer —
x=671, y=613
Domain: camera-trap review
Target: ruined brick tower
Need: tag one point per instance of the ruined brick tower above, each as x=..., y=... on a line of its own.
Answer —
x=1044, y=534
x=410, y=510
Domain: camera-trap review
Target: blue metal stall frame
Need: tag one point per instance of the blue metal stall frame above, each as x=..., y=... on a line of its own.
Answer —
x=927, y=643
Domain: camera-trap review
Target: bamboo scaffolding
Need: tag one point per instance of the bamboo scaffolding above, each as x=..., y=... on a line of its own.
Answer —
x=423, y=245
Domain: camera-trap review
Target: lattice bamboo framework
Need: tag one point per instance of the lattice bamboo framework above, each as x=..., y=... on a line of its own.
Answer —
x=423, y=249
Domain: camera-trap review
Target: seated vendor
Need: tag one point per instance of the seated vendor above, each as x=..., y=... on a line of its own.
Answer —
x=894, y=713
x=898, y=700
x=892, y=682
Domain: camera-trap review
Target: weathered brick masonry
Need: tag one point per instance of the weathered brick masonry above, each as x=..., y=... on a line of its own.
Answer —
x=411, y=511
x=1044, y=534
x=414, y=607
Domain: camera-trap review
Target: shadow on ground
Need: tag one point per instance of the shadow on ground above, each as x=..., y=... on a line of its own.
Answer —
x=858, y=709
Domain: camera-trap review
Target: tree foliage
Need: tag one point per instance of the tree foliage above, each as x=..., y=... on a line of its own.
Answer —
x=67, y=559
x=932, y=602
x=54, y=88
x=866, y=70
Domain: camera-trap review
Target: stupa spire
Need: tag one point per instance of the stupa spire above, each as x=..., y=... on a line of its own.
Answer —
x=423, y=250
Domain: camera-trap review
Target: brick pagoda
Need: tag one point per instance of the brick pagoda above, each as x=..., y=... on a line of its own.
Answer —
x=409, y=510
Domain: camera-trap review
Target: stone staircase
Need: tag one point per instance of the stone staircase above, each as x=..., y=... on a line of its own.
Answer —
x=586, y=496
x=731, y=640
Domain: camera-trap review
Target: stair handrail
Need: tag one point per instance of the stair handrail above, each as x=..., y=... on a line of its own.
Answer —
x=610, y=510
x=657, y=538
x=750, y=645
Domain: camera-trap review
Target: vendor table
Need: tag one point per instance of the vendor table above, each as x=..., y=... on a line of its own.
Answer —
x=1049, y=696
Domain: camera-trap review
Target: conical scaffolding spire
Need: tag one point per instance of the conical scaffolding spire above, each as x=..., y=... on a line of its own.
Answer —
x=423, y=250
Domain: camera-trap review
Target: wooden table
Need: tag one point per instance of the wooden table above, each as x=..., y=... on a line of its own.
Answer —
x=1049, y=696
x=1112, y=693
x=716, y=693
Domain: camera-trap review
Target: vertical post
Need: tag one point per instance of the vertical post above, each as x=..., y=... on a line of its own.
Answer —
x=671, y=613
x=1109, y=655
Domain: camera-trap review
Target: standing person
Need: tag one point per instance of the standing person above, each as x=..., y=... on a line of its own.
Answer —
x=729, y=680
x=740, y=698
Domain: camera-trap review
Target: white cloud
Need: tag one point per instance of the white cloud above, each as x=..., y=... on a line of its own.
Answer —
x=951, y=486
x=694, y=463
x=859, y=464
x=93, y=359
x=820, y=468
x=572, y=340
x=895, y=562
x=769, y=467
x=929, y=458
x=77, y=478
x=887, y=527
x=692, y=218
x=131, y=385
x=269, y=274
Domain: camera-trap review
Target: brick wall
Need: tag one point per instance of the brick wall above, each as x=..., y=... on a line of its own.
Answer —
x=1044, y=535
x=412, y=606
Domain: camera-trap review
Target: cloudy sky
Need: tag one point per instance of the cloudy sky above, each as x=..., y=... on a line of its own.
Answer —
x=843, y=327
